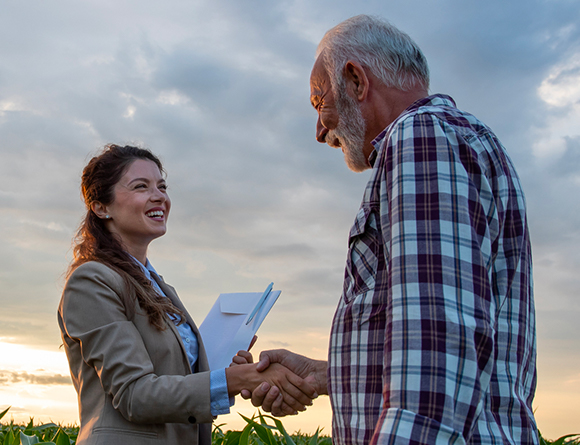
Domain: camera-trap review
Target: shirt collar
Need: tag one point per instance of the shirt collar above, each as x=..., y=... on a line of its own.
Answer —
x=441, y=100
x=147, y=267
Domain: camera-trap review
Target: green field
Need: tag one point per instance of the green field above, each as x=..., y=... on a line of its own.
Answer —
x=259, y=430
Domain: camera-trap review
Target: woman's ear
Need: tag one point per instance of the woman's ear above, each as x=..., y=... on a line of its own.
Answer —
x=100, y=210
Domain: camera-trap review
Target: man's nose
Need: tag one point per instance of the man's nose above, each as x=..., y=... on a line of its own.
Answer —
x=321, y=131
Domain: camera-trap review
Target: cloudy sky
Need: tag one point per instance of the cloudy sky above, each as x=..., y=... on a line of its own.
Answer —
x=219, y=89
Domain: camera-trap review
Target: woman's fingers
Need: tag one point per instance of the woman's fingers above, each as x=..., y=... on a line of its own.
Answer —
x=242, y=358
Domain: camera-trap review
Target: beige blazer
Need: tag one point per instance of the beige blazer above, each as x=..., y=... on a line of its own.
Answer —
x=134, y=383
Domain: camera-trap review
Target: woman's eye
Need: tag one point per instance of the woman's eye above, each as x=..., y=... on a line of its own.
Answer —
x=140, y=186
x=163, y=187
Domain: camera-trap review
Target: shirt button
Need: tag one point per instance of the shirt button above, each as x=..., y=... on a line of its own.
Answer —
x=192, y=419
x=187, y=340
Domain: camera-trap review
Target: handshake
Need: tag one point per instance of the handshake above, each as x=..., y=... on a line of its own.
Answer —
x=282, y=382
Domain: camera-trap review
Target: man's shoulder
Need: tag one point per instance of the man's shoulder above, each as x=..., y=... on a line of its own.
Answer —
x=434, y=105
x=439, y=110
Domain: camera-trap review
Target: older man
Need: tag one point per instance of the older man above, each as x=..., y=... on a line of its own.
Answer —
x=433, y=340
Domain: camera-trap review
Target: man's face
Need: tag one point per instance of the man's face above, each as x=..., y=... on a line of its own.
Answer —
x=340, y=120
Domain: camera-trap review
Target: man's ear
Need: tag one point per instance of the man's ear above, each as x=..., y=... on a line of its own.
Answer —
x=100, y=210
x=357, y=82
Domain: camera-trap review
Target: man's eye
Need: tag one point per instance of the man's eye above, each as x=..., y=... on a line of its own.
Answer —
x=140, y=186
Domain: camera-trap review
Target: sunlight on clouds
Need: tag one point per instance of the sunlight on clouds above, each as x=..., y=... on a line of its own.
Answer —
x=87, y=125
x=561, y=91
x=28, y=397
x=44, y=403
x=130, y=113
x=131, y=108
x=562, y=87
x=172, y=97
x=6, y=105
x=17, y=357
x=13, y=105
x=560, y=35
x=36, y=383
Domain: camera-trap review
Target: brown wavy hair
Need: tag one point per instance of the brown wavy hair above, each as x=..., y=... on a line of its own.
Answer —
x=94, y=242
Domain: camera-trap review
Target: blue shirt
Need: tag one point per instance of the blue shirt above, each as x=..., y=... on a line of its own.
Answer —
x=219, y=398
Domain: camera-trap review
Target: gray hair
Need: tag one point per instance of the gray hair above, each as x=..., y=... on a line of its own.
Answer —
x=389, y=54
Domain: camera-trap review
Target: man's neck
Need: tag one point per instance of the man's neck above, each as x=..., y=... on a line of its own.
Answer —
x=386, y=104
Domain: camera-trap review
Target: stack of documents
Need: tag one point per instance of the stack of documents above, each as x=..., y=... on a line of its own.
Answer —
x=232, y=323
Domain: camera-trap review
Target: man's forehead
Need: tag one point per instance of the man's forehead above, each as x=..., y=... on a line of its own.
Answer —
x=318, y=77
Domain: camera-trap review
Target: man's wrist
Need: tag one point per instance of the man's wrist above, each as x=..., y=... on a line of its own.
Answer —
x=321, y=384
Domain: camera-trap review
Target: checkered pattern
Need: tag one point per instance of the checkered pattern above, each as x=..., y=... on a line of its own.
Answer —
x=433, y=340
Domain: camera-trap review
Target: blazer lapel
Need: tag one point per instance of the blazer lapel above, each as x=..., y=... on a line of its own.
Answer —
x=202, y=364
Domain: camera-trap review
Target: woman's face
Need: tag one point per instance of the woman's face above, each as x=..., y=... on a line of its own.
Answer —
x=140, y=207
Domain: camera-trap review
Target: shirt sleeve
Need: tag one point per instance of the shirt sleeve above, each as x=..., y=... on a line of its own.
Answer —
x=220, y=400
x=439, y=340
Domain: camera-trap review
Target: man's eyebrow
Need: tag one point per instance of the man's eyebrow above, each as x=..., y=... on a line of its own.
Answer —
x=314, y=100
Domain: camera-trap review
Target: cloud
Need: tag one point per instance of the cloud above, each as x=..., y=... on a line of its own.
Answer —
x=12, y=377
x=562, y=86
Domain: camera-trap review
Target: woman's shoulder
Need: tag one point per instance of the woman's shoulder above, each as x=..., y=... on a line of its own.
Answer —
x=91, y=267
x=94, y=295
x=95, y=272
x=91, y=285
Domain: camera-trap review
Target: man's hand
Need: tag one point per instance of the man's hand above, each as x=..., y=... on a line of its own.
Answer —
x=291, y=392
x=270, y=395
x=269, y=398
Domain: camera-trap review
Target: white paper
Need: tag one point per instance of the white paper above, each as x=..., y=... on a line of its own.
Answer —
x=224, y=331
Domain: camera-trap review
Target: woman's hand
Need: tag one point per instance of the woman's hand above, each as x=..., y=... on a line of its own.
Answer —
x=312, y=371
x=295, y=393
x=242, y=358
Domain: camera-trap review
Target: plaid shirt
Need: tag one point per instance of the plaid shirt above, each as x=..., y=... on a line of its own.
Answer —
x=433, y=340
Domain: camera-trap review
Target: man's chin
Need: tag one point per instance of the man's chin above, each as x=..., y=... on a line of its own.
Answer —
x=358, y=168
x=356, y=164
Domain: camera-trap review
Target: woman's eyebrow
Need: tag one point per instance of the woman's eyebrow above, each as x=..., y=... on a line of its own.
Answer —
x=138, y=179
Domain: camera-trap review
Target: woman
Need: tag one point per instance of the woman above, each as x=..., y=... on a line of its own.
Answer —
x=136, y=357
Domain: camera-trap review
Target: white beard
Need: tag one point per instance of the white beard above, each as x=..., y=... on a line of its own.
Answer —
x=350, y=131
